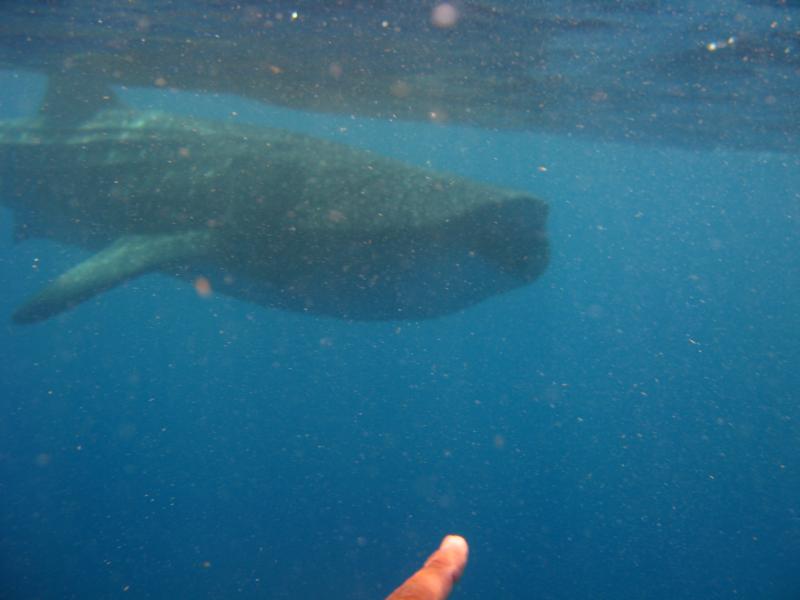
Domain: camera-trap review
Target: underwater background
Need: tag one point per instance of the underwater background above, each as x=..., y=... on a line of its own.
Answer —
x=625, y=427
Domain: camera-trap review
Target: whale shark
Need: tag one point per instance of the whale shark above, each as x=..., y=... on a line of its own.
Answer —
x=264, y=215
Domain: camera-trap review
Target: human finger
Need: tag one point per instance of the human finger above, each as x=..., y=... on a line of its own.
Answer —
x=436, y=578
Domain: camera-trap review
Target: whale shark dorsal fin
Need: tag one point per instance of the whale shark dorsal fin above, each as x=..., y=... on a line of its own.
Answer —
x=125, y=259
x=69, y=100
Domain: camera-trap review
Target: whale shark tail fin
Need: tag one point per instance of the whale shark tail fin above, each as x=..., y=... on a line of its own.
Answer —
x=69, y=101
x=128, y=257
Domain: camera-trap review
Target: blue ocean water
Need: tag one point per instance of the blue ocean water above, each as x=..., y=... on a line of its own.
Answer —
x=625, y=427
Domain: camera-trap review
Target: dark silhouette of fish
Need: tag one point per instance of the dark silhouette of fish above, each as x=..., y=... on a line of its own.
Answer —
x=264, y=215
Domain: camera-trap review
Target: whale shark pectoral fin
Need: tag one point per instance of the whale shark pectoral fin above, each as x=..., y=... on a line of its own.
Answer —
x=125, y=259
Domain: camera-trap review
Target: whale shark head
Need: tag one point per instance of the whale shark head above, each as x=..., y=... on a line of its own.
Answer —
x=513, y=236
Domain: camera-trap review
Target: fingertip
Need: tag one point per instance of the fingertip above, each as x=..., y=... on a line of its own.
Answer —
x=456, y=551
x=455, y=543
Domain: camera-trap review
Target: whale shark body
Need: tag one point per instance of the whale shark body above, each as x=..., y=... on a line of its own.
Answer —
x=263, y=215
